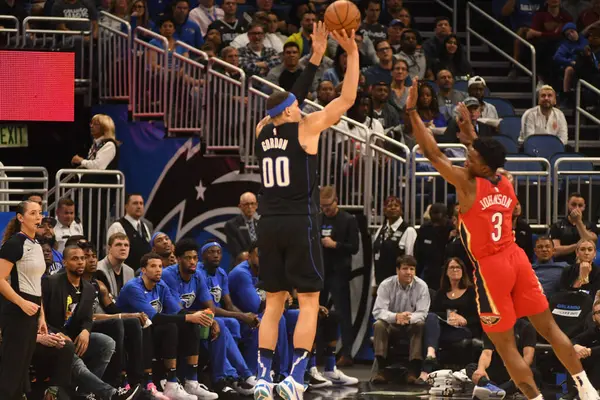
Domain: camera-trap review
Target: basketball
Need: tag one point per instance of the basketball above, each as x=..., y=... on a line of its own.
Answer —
x=342, y=14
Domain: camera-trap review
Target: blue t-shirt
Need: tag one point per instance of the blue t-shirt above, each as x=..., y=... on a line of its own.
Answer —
x=191, y=294
x=135, y=297
x=242, y=286
x=189, y=33
x=217, y=284
x=178, y=49
x=523, y=13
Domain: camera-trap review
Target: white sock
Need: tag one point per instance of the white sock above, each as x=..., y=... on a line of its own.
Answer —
x=538, y=397
x=582, y=382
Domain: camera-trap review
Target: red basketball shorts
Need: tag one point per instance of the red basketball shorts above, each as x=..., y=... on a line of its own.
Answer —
x=507, y=289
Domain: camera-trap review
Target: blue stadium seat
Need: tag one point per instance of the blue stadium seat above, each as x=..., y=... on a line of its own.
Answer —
x=504, y=107
x=543, y=146
x=460, y=85
x=511, y=127
x=434, y=85
x=509, y=144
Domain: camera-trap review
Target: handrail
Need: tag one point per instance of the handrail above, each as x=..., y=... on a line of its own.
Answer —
x=104, y=48
x=4, y=187
x=532, y=73
x=453, y=10
x=16, y=29
x=579, y=110
x=557, y=173
x=192, y=49
x=56, y=19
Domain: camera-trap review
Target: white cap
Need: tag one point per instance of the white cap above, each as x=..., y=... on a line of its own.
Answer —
x=476, y=79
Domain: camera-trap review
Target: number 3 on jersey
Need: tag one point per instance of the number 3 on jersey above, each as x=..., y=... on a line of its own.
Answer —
x=276, y=173
x=497, y=222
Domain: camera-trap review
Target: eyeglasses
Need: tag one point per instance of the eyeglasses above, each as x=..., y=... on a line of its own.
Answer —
x=255, y=33
x=251, y=204
x=384, y=49
x=596, y=312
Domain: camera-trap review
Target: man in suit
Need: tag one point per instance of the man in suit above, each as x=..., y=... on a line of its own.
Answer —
x=242, y=229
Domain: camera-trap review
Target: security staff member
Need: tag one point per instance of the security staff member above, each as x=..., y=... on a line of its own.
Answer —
x=22, y=259
x=394, y=239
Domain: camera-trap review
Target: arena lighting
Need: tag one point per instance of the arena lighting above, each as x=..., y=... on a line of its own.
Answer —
x=37, y=86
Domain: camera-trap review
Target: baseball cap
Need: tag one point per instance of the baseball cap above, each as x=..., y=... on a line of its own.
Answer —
x=471, y=102
x=49, y=220
x=397, y=22
x=476, y=79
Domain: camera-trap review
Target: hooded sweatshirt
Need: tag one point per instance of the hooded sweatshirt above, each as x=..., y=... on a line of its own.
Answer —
x=568, y=50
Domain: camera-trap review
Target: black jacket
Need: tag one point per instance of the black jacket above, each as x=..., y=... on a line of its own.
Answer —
x=343, y=229
x=238, y=236
x=55, y=290
x=428, y=252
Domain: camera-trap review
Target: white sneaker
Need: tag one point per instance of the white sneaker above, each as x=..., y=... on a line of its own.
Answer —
x=198, y=389
x=251, y=380
x=588, y=394
x=316, y=380
x=337, y=377
x=174, y=391
x=263, y=390
x=289, y=389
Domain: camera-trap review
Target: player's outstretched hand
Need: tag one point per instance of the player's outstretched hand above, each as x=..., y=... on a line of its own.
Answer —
x=347, y=42
x=319, y=38
x=413, y=94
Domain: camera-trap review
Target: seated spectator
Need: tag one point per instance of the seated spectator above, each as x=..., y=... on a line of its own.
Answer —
x=447, y=97
x=455, y=247
x=166, y=27
x=432, y=235
x=140, y=16
x=394, y=239
x=454, y=124
x=490, y=376
x=434, y=46
x=399, y=89
x=393, y=10
x=52, y=267
x=400, y=309
x=285, y=74
x=325, y=94
x=205, y=14
x=523, y=232
x=213, y=39
x=46, y=231
x=135, y=228
x=566, y=56
x=587, y=64
x=453, y=313
x=303, y=38
x=229, y=24
x=270, y=40
x=428, y=109
x=476, y=88
x=104, y=151
x=584, y=275
x=67, y=225
x=586, y=346
x=418, y=63
x=118, y=8
x=453, y=58
x=383, y=111
x=567, y=232
x=546, y=269
x=545, y=34
x=255, y=58
x=273, y=27
x=186, y=30
x=370, y=25
x=545, y=118
x=326, y=64
x=336, y=74
x=381, y=72
x=76, y=9
x=295, y=16
x=394, y=35
x=231, y=56
x=112, y=270
x=241, y=230
x=589, y=16
x=68, y=304
x=174, y=333
x=362, y=112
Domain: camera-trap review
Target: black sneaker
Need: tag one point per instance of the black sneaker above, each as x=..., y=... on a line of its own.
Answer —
x=126, y=394
x=224, y=387
x=244, y=388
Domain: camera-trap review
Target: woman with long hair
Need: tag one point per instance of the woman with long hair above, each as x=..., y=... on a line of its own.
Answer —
x=337, y=72
x=427, y=108
x=138, y=16
x=21, y=318
x=454, y=59
x=103, y=153
x=453, y=313
x=584, y=274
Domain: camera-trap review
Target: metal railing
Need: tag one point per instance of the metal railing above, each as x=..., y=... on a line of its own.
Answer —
x=584, y=175
x=483, y=15
x=150, y=73
x=16, y=182
x=187, y=91
x=114, y=59
x=453, y=10
x=12, y=35
x=580, y=110
x=225, y=109
x=98, y=204
x=386, y=174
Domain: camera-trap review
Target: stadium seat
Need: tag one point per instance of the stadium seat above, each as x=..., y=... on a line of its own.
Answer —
x=543, y=146
x=509, y=144
x=434, y=85
x=460, y=85
x=520, y=166
x=511, y=127
x=504, y=107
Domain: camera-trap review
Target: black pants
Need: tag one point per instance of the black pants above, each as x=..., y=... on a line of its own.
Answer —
x=337, y=282
x=19, y=333
x=127, y=334
x=328, y=327
x=54, y=363
x=502, y=378
x=168, y=341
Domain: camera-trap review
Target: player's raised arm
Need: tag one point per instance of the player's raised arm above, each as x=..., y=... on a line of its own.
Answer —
x=318, y=48
x=457, y=176
x=319, y=121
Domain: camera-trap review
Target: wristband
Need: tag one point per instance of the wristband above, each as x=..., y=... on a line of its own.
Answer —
x=411, y=109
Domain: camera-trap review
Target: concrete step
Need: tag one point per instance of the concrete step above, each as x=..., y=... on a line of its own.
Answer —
x=504, y=79
x=511, y=95
x=491, y=64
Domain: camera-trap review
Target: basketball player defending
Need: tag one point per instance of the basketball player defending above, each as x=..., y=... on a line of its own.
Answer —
x=507, y=288
x=288, y=233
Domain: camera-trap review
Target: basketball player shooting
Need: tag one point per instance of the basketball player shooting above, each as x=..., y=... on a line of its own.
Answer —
x=288, y=234
x=506, y=286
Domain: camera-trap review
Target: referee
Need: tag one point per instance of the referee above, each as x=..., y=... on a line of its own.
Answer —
x=21, y=318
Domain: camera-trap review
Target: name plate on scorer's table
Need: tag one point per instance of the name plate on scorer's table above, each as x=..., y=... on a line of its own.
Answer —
x=13, y=136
